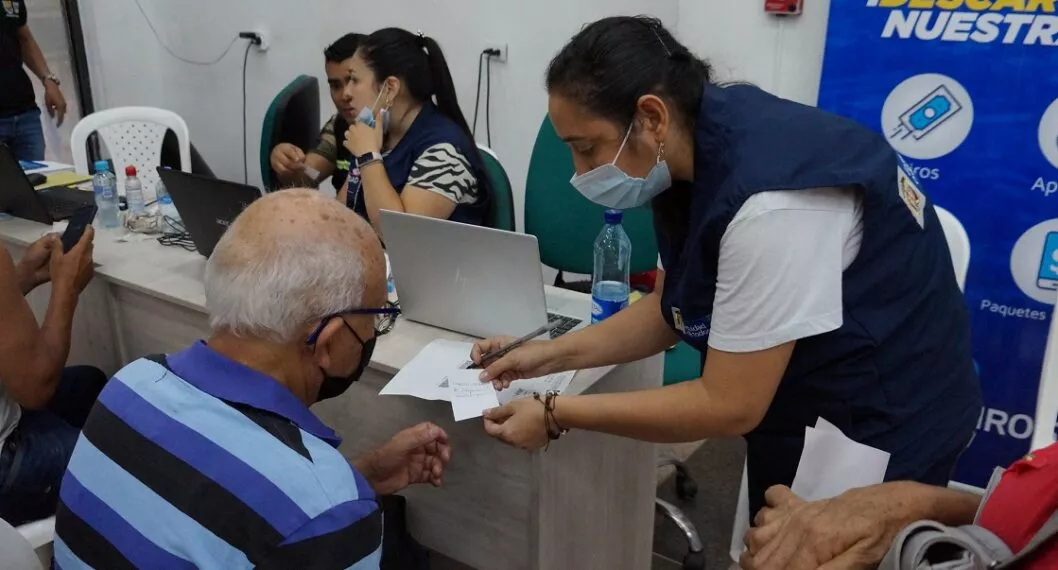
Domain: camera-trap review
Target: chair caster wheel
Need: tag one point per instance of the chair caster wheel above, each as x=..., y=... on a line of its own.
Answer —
x=694, y=561
x=686, y=488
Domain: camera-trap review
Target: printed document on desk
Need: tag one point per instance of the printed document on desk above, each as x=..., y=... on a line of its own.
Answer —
x=426, y=375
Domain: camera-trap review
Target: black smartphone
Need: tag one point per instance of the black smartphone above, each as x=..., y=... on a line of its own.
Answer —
x=80, y=220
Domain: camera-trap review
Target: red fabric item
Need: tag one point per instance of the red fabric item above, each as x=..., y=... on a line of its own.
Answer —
x=1025, y=498
x=643, y=281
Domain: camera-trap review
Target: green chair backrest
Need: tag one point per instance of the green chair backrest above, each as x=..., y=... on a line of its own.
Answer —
x=501, y=206
x=292, y=117
x=564, y=222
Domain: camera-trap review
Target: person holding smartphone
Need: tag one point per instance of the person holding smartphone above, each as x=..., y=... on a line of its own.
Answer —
x=43, y=403
x=799, y=255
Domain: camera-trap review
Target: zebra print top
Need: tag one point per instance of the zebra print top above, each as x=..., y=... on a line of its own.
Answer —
x=441, y=168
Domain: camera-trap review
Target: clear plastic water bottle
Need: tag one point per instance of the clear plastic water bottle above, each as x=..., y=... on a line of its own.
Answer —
x=105, y=188
x=166, y=209
x=609, y=280
x=134, y=191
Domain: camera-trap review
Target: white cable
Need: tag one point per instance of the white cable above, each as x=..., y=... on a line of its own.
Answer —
x=183, y=59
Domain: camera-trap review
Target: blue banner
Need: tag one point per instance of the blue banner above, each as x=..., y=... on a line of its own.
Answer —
x=967, y=92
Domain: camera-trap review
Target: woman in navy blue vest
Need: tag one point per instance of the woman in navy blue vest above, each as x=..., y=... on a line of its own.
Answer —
x=411, y=148
x=799, y=255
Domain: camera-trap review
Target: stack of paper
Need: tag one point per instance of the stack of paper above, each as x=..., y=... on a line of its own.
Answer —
x=436, y=374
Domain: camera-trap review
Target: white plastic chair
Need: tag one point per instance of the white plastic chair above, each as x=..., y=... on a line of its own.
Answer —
x=958, y=244
x=133, y=136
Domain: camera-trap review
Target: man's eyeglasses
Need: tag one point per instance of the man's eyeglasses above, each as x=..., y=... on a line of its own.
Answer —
x=385, y=318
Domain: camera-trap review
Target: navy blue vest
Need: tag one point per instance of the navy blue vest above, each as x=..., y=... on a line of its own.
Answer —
x=898, y=374
x=430, y=127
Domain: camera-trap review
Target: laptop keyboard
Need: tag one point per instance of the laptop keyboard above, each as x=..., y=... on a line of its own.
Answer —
x=59, y=208
x=566, y=324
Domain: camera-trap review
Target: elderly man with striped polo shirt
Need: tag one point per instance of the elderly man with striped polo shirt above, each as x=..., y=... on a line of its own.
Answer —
x=210, y=457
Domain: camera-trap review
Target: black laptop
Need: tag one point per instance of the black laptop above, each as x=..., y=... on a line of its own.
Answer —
x=18, y=198
x=207, y=206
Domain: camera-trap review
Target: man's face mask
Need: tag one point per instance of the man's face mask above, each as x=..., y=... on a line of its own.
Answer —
x=334, y=386
x=367, y=116
x=610, y=186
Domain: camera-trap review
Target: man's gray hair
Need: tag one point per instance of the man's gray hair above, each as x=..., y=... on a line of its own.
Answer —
x=272, y=290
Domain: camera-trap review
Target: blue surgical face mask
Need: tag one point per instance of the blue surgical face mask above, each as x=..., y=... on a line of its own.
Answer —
x=367, y=116
x=609, y=186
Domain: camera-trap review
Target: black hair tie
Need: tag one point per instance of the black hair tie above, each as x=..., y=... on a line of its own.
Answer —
x=422, y=39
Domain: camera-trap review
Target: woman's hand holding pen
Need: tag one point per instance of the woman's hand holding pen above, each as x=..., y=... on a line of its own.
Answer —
x=531, y=360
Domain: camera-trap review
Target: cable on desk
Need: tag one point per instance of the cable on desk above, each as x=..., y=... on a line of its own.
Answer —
x=180, y=238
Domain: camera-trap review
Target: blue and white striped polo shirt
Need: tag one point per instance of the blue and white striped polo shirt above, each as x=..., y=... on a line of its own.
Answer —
x=196, y=461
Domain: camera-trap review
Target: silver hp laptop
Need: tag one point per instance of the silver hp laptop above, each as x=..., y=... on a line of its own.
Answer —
x=469, y=279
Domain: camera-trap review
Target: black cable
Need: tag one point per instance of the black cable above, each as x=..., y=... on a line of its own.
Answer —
x=179, y=238
x=245, y=162
x=488, y=99
x=477, y=94
x=183, y=59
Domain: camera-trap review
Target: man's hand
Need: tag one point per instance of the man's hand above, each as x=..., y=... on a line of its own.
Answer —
x=416, y=455
x=850, y=532
x=34, y=268
x=287, y=160
x=54, y=101
x=73, y=270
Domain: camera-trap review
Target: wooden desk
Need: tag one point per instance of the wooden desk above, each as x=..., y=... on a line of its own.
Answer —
x=587, y=503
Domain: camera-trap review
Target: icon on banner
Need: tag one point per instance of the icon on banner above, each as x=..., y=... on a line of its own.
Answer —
x=928, y=114
x=1048, y=275
x=1049, y=134
x=1034, y=262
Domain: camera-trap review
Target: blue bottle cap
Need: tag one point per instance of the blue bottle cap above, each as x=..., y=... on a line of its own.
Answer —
x=613, y=216
x=102, y=166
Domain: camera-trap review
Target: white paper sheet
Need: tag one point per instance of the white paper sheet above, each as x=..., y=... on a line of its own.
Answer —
x=738, y=530
x=830, y=464
x=425, y=376
x=470, y=396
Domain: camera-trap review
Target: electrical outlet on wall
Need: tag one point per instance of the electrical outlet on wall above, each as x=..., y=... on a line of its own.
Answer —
x=266, y=39
x=498, y=52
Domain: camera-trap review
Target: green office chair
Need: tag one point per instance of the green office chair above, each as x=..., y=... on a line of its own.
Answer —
x=501, y=205
x=293, y=117
x=565, y=225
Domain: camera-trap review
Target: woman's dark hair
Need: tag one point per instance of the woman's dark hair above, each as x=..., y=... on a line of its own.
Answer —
x=419, y=63
x=613, y=62
x=344, y=48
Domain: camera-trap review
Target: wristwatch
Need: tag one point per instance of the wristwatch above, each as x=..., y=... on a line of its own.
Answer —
x=53, y=78
x=369, y=158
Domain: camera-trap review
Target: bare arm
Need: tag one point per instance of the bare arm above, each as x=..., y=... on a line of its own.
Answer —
x=32, y=356
x=31, y=53
x=632, y=334
x=730, y=399
x=379, y=194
